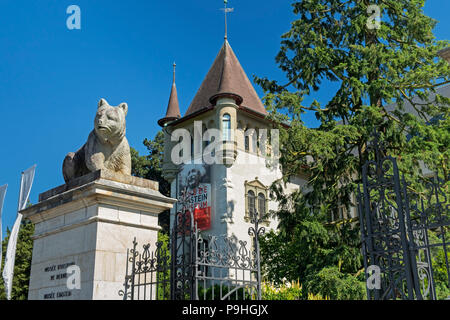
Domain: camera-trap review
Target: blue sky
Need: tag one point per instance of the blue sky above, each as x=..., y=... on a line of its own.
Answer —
x=51, y=78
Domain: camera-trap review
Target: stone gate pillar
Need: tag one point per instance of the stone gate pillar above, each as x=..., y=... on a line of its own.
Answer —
x=90, y=223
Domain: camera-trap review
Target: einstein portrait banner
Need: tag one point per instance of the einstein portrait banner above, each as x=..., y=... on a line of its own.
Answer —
x=195, y=189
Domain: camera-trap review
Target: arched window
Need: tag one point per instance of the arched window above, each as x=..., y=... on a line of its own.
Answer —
x=226, y=127
x=256, y=200
x=262, y=205
x=251, y=202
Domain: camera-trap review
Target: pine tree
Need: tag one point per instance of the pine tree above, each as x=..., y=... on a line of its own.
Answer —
x=22, y=266
x=150, y=167
x=378, y=71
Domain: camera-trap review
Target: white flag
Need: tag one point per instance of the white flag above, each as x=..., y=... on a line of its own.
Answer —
x=8, y=270
x=2, y=198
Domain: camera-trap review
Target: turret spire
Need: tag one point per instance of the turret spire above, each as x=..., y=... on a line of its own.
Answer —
x=173, y=108
x=226, y=78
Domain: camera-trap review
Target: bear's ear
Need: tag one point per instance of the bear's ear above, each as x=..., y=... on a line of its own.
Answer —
x=102, y=102
x=124, y=107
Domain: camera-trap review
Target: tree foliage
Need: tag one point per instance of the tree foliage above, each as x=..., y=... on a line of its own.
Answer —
x=333, y=283
x=164, y=275
x=150, y=166
x=387, y=80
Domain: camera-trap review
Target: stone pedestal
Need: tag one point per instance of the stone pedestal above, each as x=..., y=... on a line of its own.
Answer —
x=90, y=223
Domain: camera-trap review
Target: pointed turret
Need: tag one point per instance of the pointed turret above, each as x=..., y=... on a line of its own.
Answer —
x=227, y=82
x=226, y=78
x=173, y=108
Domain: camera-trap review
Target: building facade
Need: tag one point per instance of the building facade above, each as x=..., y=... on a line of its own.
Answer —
x=225, y=122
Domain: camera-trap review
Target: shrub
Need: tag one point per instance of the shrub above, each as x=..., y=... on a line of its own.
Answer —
x=287, y=291
x=330, y=282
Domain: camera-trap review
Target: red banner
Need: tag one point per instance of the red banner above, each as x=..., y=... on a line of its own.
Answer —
x=203, y=218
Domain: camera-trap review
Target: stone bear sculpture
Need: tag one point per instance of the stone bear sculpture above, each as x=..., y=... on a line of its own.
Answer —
x=106, y=147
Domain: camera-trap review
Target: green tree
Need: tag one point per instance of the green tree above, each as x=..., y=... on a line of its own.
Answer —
x=439, y=264
x=150, y=167
x=308, y=248
x=336, y=285
x=378, y=71
x=164, y=273
x=22, y=266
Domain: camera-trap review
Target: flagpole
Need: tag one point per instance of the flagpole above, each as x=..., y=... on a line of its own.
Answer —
x=2, y=198
x=26, y=182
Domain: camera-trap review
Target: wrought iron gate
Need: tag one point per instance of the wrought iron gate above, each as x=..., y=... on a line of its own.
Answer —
x=404, y=232
x=147, y=273
x=193, y=266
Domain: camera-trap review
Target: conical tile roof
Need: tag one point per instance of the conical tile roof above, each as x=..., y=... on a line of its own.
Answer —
x=226, y=77
x=173, y=108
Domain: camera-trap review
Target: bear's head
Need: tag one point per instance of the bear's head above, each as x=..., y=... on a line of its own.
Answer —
x=109, y=124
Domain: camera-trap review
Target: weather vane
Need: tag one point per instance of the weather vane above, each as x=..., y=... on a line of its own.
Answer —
x=226, y=10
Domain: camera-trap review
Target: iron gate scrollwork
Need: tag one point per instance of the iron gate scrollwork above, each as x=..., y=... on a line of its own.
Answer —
x=229, y=268
x=184, y=252
x=404, y=232
x=195, y=266
x=147, y=273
